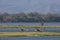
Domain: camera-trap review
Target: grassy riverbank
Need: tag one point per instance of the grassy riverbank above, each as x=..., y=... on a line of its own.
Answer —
x=14, y=34
x=29, y=26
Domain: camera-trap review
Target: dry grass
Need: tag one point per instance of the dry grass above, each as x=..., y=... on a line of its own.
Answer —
x=2, y=34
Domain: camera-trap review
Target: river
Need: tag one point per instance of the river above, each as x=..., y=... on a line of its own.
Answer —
x=31, y=38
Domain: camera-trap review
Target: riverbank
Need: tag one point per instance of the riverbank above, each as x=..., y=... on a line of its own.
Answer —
x=27, y=26
x=15, y=34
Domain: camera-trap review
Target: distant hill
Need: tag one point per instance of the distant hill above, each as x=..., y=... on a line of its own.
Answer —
x=13, y=6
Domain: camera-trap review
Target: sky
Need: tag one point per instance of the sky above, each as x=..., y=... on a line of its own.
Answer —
x=41, y=6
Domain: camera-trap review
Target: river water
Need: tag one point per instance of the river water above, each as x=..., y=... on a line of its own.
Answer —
x=32, y=38
x=33, y=23
x=32, y=29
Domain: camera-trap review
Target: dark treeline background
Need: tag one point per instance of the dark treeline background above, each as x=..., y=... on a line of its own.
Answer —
x=29, y=17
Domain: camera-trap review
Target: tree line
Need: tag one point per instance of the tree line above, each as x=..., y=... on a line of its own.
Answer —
x=29, y=17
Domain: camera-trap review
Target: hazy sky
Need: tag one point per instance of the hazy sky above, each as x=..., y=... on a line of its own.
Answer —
x=43, y=6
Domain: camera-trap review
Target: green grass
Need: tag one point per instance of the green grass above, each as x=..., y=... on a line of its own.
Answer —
x=29, y=26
